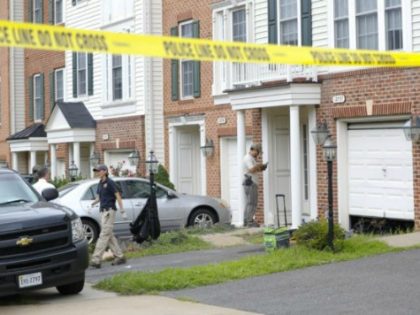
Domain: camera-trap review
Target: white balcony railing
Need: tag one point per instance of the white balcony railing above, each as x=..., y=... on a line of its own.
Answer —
x=242, y=75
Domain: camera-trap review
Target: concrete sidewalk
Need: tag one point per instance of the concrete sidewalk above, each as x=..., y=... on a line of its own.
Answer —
x=402, y=240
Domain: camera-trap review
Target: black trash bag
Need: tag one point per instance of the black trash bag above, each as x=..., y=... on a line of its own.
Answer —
x=146, y=225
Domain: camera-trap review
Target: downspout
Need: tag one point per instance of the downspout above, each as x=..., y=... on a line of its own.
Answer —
x=148, y=82
x=12, y=74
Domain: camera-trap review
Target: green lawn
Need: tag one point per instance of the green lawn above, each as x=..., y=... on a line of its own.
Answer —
x=281, y=260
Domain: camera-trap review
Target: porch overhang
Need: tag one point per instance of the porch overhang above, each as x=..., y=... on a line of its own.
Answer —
x=275, y=96
x=30, y=144
x=71, y=135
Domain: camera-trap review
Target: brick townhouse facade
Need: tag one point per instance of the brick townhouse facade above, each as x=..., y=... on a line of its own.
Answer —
x=192, y=120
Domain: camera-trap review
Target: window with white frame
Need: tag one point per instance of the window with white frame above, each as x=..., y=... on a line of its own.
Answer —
x=393, y=25
x=58, y=12
x=82, y=74
x=119, y=74
x=288, y=22
x=341, y=23
x=117, y=10
x=37, y=11
x=239, y=25
x=37, y=98
x=366, y=24
x=186, y=30
x=59, y=84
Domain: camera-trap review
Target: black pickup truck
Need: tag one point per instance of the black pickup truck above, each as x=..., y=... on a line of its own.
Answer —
x=41, y=244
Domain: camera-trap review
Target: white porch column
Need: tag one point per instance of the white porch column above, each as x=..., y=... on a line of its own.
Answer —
x=53, y=153
x=295, y=167
x=238, y=217
x=45, y=157
x=15, y=164
x=313, y=187
x=32, y=161
x=76, y=155
x=91, y=150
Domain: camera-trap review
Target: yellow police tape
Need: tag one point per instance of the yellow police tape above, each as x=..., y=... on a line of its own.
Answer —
x=47, y=37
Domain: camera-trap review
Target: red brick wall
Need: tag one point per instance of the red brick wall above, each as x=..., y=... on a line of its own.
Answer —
x=123, y=133
x=392, y=91
x=40, y=61
x=4, y=91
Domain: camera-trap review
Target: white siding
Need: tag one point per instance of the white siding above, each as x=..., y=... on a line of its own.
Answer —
x=319, y=23
x=416, y=24
x=261, y=21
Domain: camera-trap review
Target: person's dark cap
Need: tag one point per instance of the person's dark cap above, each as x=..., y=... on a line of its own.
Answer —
x=100, y=167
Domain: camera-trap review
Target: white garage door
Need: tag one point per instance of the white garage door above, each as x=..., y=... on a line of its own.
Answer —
x=380, y=172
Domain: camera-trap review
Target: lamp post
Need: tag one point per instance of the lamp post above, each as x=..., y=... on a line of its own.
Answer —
x=73, y=169
x=152, y=166
x=330, y=152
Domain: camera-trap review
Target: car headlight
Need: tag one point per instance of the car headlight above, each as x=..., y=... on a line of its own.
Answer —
x=77, y=230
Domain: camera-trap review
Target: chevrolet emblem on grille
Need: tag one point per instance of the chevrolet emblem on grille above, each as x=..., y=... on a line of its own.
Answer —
x=24, y=241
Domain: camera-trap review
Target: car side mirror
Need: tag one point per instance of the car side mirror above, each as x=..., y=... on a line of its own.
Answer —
x=171, y=195
x=50, y=193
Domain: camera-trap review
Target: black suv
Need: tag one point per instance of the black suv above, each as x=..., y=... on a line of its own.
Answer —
x=41, y=244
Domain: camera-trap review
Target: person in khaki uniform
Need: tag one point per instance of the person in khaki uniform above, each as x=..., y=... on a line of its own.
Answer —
x=107, y=194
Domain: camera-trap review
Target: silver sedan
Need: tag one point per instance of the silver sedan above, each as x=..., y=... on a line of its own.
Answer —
x=175, y=210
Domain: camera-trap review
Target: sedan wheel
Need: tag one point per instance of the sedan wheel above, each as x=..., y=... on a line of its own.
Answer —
x=202, y=218
x=90, y=230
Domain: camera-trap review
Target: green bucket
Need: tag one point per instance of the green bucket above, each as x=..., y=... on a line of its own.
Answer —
x=276, y=238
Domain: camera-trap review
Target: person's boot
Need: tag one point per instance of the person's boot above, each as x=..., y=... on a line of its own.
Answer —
x=119, y=261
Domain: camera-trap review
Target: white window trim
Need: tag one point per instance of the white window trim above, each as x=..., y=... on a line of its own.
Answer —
x=406, y=24
x=128, y=87
x=181, y=61
x=79, y=95
x=35, y=97
x=223, y=31
x=62, y=13
x=34, y=10
x=299, y=26
x=55, y=83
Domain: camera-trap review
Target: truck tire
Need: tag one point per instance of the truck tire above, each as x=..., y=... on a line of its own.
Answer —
x=71, y=288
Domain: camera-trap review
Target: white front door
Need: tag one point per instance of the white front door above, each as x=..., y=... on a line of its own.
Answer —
x=230, y=183
x=279, y=167
x=380, y=172
x=188, y=179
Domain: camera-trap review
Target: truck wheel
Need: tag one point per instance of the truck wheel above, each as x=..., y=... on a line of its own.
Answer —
x=91, y=231
x=72, y=288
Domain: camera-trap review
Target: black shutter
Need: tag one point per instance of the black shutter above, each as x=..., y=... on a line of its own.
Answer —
x=306, y=25
x=196, y=64
x=90, y=73
x=51, y=18
x=74, y=75
x=174, y=71
x=272, y=22
x=30, y=10
x=41, y=109
x=31, y=97
x=52, y=90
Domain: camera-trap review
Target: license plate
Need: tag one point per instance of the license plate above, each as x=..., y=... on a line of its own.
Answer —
x=30, y=280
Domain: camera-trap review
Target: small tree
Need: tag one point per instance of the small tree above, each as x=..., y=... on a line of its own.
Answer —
x=162, y=177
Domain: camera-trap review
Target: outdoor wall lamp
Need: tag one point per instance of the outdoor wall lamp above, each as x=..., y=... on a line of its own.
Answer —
x=208, y=148
x=412, y=129
x=73, y=169
x=94, y=159
x=134, y=158
x=320, y=134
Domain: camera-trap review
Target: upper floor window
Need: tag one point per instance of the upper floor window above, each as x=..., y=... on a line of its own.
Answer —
x=393, y=25
x=186, y=65
x=37, y=11
x=82, y=74
x=38, y=97
x=341, y=23
x=59, y=84
x=367, y=24
x=239, y=25
x=58, y=12
x=117, y=10
x=119, y=74
x=288, y=22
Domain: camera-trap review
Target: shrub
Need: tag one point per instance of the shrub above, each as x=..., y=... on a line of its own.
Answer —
x=162, y=177
x=314, y=235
